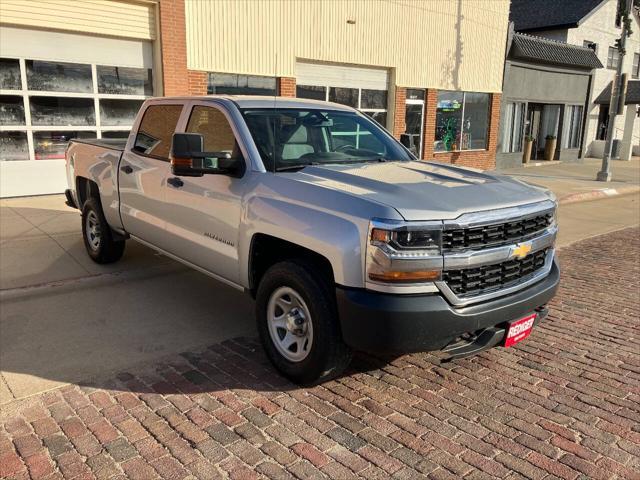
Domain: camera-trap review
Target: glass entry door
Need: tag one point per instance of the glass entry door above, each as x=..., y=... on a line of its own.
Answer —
x=414, y=120
x=542, y=121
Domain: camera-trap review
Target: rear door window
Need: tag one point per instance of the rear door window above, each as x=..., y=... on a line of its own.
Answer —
x=156, y=131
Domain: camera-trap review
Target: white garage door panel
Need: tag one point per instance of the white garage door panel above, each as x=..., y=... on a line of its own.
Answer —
x=37, y=177
x=71, y=47
x=341, y=76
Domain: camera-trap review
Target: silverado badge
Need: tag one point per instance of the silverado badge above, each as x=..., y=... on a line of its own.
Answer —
x=520, y=250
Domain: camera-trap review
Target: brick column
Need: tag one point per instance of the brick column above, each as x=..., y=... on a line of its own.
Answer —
x=286, y=87
x=197, y=82
x=174, y=47
x=399, y=112
x=494, y=127
x=429, y=130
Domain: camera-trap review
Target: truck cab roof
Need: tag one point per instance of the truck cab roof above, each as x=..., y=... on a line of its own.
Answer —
x=260, y=101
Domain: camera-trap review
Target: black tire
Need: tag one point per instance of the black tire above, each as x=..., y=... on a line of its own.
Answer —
x=105, y=249
x=328, y=355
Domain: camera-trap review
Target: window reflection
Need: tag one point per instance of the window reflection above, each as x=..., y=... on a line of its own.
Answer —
x=62, y=111
x=345, y=96
x=52, y=145
x=11, y=110
x=118, y=112
x=10, y=74
x=233, y=84
x=13, y=146
x=124, y=80
x=58, y=76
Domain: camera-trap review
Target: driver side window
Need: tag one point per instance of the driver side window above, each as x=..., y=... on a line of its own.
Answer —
x=215, y=129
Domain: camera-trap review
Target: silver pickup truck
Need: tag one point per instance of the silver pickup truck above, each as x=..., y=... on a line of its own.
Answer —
x=343, y=238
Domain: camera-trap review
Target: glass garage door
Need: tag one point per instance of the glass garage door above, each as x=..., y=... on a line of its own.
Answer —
x=56, y=86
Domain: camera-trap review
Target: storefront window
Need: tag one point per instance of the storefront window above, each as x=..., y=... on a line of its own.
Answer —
x=461, y=121
x=311, y=91
x=11, y=110
x=344, y=96
x=572, y=126
x=13, y=146
x=232, y=84
x=10, y=74
x=124, y=80
x=115, y=112
x=61, y=111
x=59, y=76
x=52, y=145
x=448, y=121
x=512, y=127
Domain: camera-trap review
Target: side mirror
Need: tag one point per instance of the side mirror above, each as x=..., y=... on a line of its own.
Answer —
x=188, y=159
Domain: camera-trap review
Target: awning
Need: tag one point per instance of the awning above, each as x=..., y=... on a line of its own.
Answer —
x=633, y=94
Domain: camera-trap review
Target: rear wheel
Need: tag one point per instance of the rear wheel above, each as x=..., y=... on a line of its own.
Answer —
x=97, y=235
x=298, y=323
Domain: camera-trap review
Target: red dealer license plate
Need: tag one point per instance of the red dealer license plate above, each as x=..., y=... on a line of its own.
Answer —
x=519, y=330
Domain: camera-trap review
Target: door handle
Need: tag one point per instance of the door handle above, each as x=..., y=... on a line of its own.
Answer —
x=175, y=182
x=127, y=169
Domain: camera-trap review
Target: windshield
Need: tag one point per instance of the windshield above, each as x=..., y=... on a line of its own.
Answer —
x=288, y=139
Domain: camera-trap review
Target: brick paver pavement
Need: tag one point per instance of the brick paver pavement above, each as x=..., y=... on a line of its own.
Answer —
x=563, y=404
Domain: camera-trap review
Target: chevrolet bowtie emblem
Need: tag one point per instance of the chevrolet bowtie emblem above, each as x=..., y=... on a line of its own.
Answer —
x=521, y=250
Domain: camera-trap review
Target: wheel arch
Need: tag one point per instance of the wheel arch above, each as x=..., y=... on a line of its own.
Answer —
x=267, y=250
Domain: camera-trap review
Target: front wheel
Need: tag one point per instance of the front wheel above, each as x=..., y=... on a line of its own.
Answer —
x=97, y=235
x=298, y=323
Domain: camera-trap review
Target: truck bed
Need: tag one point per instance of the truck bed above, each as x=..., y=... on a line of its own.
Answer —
x=110, y=143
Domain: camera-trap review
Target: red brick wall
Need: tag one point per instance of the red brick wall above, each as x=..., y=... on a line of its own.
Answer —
x=197, y=82
x=286, y=87
x=399, y=112
x=174, y=47
x=484, y=159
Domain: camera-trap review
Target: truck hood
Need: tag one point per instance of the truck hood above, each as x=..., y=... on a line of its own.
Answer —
x=424, y=190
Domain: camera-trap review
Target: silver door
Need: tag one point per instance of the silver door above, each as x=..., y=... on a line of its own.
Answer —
x=143, y=172
x=203, y=213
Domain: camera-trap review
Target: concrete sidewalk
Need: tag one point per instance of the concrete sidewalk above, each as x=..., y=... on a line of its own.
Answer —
x=575, y=182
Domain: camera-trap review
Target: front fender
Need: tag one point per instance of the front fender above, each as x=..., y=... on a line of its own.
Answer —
x=336, y=236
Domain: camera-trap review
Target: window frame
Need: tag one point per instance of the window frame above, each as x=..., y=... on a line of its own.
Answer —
x=566, y=129
x=138, y=125
x=613, y=56
x=327, y=88
x=96, y=97
x=464, y=104
x=184, y=122
x=522, y=127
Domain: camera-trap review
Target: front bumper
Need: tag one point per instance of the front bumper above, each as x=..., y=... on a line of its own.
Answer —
x=386, y=323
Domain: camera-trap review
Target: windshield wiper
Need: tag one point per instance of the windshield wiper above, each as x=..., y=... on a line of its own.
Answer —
x=296, y=166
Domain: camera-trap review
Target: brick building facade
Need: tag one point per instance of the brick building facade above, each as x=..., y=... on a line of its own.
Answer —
x=195, y=82
x=85, y=71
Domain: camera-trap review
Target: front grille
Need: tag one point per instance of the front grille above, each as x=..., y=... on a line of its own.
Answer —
x=494, y=235
x=475, y=281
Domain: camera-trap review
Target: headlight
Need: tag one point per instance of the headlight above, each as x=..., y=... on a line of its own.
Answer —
x=404, y=253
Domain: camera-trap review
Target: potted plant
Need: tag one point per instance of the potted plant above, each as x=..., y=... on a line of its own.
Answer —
x=526, y=151
x=550, y=147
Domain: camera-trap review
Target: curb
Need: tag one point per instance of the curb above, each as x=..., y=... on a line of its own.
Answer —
x=598, y=194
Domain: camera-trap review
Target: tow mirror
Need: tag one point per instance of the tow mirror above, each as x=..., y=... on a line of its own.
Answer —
x=189, y=160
